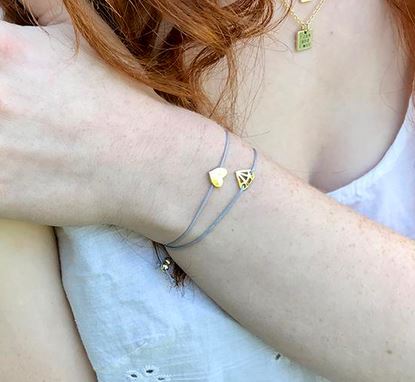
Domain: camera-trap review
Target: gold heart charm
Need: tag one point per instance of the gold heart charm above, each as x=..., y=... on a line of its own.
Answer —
x=217, y=175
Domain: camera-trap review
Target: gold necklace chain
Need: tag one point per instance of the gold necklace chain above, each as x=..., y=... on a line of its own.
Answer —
x=304, y=36
x=300, y=22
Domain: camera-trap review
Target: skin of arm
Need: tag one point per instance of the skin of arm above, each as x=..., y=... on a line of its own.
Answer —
x=317, y=281
x=38, y=337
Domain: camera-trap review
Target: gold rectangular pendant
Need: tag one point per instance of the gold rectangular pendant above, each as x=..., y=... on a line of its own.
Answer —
x=304, y=1
x=304, y=39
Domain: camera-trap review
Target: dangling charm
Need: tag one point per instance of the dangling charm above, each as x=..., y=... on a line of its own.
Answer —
x=166, y=264
x=245, y=178
x=304, y=39
x=305, y=1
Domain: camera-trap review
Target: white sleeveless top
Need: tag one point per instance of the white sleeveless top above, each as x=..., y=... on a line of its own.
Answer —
x=136, y=326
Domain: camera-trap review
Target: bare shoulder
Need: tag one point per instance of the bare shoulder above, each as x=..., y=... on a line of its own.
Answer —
x=39, y=339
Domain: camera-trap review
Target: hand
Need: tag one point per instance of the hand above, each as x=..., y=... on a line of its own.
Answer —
x=63, y=126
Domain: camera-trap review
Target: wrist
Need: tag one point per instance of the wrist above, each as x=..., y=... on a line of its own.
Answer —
x=124, y=154
x=135, y=170
x=162, y=171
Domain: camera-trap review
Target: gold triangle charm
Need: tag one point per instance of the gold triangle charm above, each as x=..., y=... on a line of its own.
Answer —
x=245, y=178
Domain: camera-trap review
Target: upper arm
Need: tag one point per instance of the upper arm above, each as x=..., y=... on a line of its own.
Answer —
x=38, y=337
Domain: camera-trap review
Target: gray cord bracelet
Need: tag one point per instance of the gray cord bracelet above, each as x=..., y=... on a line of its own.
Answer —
x=245, y=178
x=173, y=244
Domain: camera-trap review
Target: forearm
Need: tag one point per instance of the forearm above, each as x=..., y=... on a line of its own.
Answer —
x=38, y=337
x=325, y=285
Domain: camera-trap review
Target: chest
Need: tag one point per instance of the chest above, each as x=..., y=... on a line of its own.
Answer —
x=327, y=143
x=327, y=114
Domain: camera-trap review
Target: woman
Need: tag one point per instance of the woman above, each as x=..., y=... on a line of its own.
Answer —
x=294, y=267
